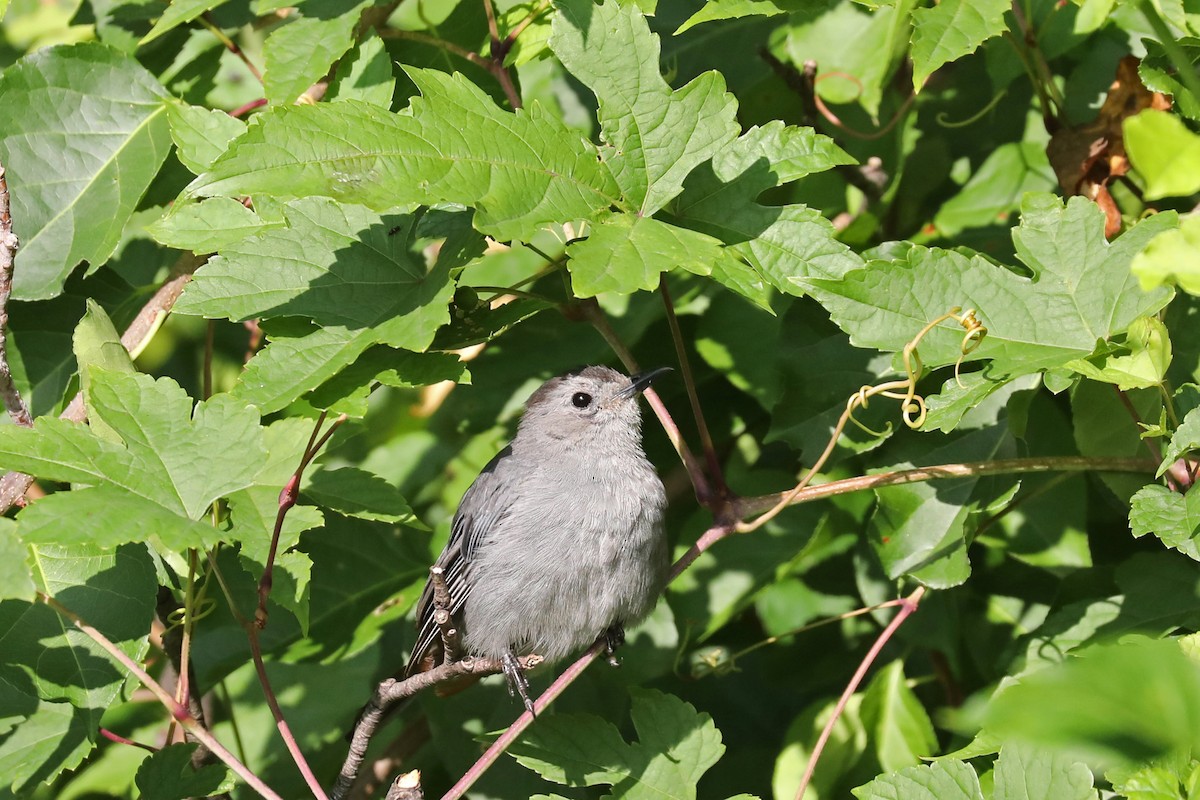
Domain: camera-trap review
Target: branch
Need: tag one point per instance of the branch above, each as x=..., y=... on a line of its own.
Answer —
x=749, y=506
x=907, y=606
x=177, y=710
x=392, y=691
x=8, y=252
x=287, y=499
x=407, y=787
x=139, y=333
x=441, y=615
x=689, y=383
x=524, y=721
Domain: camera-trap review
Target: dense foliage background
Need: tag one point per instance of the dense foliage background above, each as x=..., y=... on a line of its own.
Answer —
x=389, y=221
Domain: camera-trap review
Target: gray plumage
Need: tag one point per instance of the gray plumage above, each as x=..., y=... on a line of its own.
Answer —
x=559, y=540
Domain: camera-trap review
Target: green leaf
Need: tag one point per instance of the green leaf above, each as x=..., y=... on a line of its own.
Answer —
x=75, y=177
x=288, y=366
x=1143, y=366
x=951, y=30
x=1185, y=439
x=1128, y=702
x=843, y=750
x=209, y=226
x=300, y=52
x=653, y=136
x=97, y=344
x=1080, y=291
x=1171, y=258
x=626, y=253
x=168, y=775
x=1164, y=152
x=360, y=275
x=715, y=10
x=111, y=515
x=918, y=529
x=899, y=728
x=1094, y=408
x=358, y=493
x=177, y=13
x=149, y=482
x=1172, y=517
x=1169, y=778
x=54, y=676
x=201, y=134
x=348, y=390
x=366, y=74
x=780, y=242
x=1024, y=772
x=943, y=780
x=996, y=188
x=16, y=571
x=521, y=171
x=676, y=746
x=346, y=266
x=880, y=38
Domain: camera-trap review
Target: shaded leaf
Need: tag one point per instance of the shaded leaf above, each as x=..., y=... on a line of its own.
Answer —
x=168, y=775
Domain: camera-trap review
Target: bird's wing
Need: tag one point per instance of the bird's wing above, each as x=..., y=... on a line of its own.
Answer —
x=482, y=508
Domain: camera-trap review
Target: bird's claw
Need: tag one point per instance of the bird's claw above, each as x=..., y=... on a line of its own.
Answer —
x=614, y=637
x=517, y=684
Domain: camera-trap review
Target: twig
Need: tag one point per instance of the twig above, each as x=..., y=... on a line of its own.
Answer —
x=260, y=669
x=1043, y=76
x=119, y=739
x=406, y=787
x=907, y=607
x=689, y=383
x=230, y=44
x=442, y=616
x=285, y=732
x=524, y=721
x=391, y=691
x=8, y=252
x=174, y=645
x=14, y=484
x=498, y=70
x=870, y=179
x=499, y=51
x=433, y=41
x=520, y=27
x=749, y=506
x=177, y=711
x=287, y=498
x=246, y=108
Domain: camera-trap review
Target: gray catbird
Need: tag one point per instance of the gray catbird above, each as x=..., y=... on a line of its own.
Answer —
x=559, y=541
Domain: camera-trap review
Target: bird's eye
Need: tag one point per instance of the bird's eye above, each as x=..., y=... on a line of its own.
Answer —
x=581, y=399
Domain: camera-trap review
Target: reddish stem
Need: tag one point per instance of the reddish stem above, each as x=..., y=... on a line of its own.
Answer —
x=907, y=607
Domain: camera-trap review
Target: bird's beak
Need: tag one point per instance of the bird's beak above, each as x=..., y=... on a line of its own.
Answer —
x=641, y=381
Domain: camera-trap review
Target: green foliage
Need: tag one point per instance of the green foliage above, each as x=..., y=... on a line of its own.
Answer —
x=676, y=745
x=394, y=220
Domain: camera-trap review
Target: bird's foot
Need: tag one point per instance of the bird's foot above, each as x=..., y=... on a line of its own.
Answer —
x=614, y=637
x=517, y=684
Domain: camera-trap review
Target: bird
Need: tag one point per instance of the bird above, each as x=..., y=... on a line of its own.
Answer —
x=559, y=541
